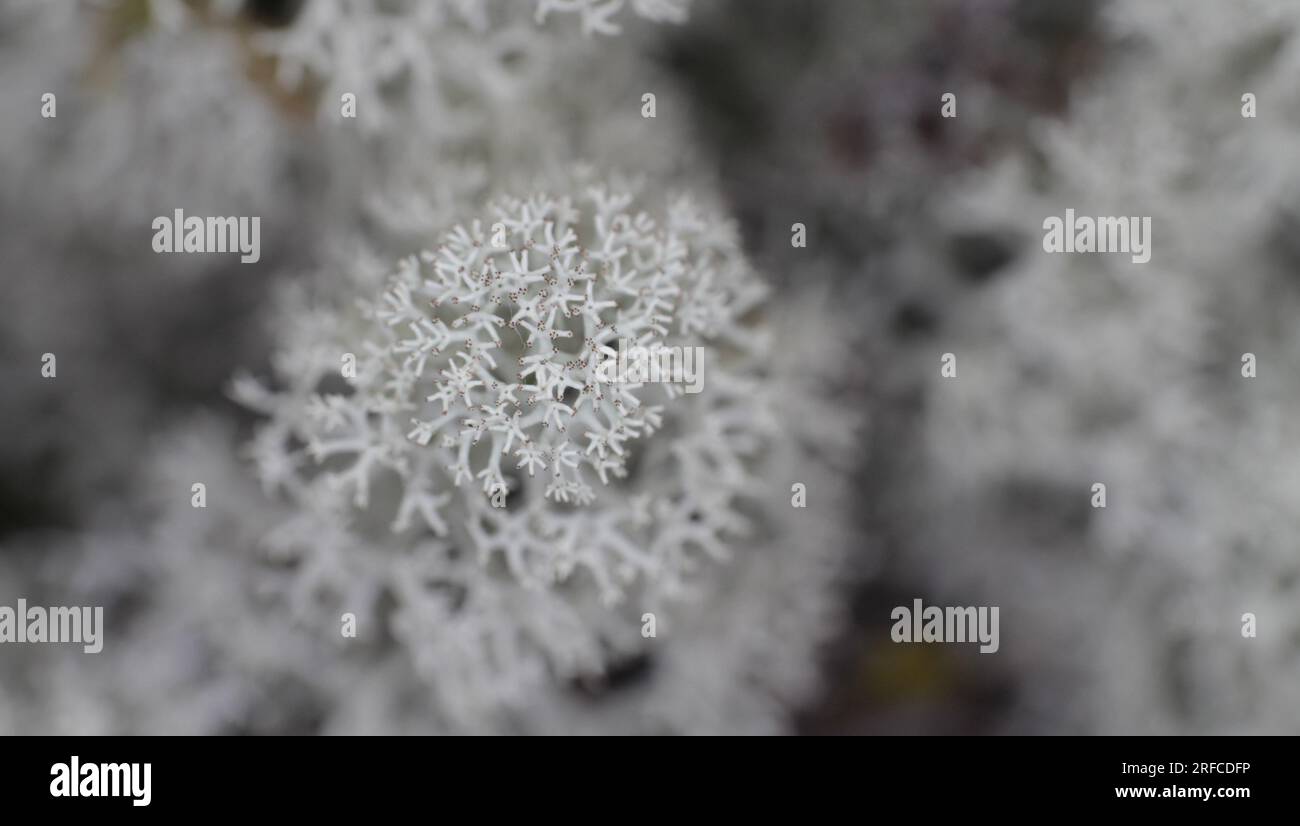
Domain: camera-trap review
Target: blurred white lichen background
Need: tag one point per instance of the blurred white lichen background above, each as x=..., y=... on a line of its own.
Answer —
x=1133, y=376
x=398, y=415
